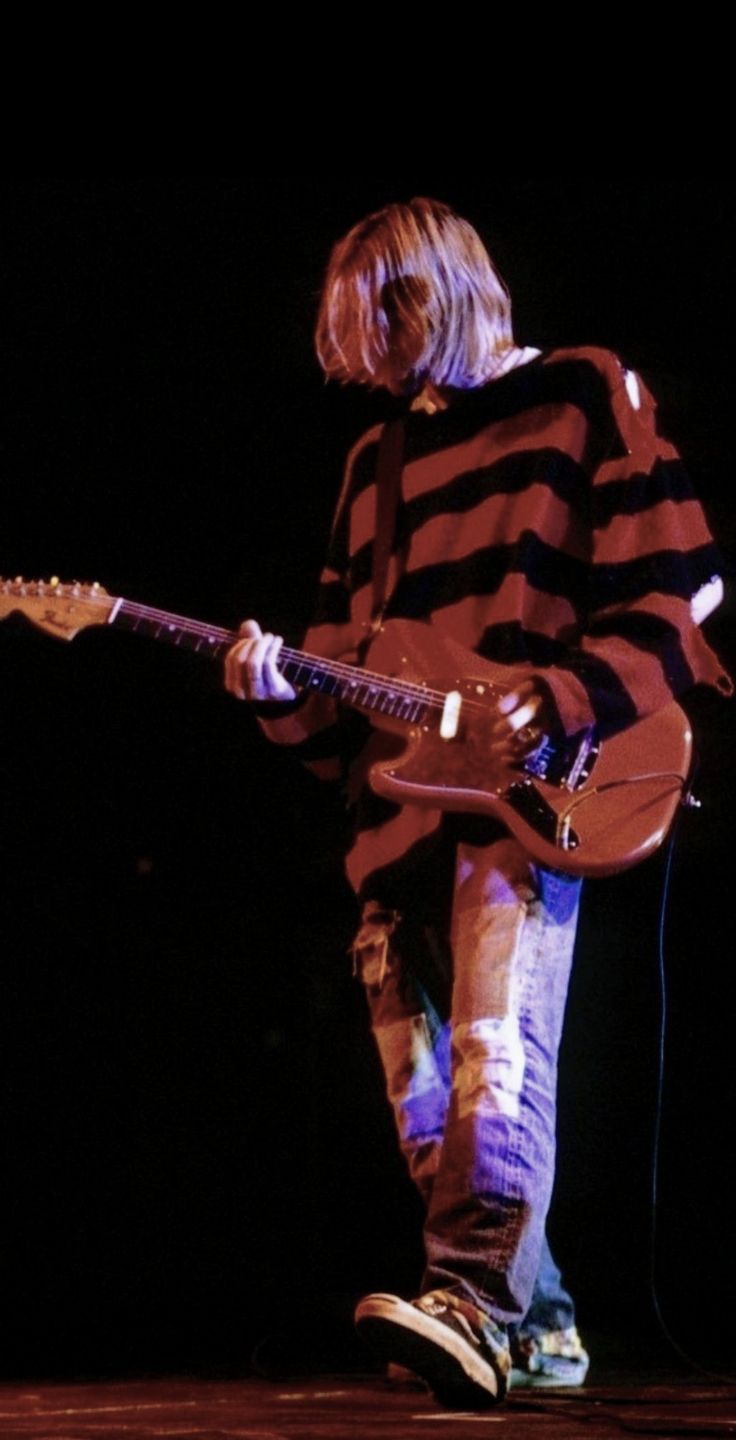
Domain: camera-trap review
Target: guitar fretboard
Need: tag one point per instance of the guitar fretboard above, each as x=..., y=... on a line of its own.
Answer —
x=404, y=700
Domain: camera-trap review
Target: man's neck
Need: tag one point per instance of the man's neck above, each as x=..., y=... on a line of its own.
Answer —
x=437, y=397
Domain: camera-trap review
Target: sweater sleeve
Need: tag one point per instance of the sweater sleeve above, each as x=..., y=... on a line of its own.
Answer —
x=311, y=725
x=651, y=553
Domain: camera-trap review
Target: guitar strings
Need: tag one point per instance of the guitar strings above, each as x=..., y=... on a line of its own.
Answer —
x=433, y=699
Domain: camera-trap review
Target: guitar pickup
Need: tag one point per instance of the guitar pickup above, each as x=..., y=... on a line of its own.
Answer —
x=450, y=715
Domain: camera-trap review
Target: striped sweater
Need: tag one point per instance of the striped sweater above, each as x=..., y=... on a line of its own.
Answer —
x=542, y=522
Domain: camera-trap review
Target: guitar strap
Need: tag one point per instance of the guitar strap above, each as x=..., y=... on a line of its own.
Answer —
x=388, y=489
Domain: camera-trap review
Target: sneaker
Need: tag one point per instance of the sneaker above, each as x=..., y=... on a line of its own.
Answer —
x=557, y=1358
x=458, y=1350
x=399, y=1378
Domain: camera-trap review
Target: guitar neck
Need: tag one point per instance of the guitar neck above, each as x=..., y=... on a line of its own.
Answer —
x=400, y=699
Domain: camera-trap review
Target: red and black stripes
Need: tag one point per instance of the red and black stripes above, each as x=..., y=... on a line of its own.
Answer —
x=542, y=520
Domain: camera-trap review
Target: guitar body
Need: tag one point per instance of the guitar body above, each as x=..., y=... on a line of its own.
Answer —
x=612, y=814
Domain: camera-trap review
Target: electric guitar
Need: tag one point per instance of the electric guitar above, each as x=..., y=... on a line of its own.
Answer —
x=588, y=806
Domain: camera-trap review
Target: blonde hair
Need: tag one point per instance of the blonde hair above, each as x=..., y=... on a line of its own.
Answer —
x=411, y=295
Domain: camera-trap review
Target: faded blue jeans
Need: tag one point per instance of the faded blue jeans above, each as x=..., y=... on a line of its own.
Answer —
x=474, y=1092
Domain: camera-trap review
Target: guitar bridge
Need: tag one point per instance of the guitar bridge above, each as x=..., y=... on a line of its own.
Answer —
x=567, y=765
x=524, y=797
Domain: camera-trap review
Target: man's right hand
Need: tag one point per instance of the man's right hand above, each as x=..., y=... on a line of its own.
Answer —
x=251, y=671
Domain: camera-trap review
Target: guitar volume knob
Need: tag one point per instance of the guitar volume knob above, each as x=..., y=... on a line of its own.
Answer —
x=691, y=801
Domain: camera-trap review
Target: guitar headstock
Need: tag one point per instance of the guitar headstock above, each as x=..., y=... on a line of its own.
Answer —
x=61, y=610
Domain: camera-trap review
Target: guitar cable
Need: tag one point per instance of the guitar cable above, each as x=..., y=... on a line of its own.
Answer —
x=579, y=798
x=688, y=801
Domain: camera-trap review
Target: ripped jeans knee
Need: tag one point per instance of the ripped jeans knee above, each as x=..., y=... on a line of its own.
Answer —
x=371, y=949
x=489, y=1067
x=412, y=1042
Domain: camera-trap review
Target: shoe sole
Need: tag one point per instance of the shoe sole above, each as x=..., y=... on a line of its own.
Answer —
x=537, y=1380
x=399, y=1332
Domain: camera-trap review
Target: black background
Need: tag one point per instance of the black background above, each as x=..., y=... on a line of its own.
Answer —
x=197, y=1155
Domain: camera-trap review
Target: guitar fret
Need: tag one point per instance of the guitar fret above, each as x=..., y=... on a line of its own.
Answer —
x=335, y=679
x=185, y=638
x=159, y=627
x=297, y=671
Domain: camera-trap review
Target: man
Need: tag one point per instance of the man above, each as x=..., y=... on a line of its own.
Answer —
x=528, y=510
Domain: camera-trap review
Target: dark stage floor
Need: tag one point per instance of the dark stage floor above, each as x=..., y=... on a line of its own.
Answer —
x=330, y=1408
